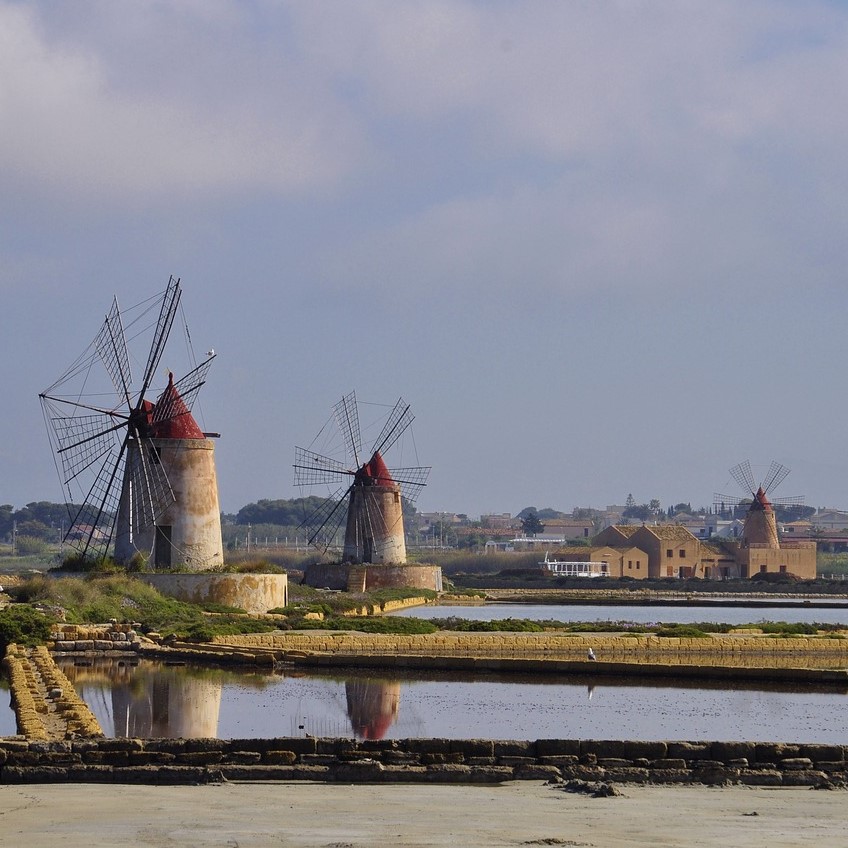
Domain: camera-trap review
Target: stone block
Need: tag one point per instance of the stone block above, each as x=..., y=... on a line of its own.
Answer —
x=279, y=758
x=167, y=746
x=774, y=752
x=358, y=771
x=557, y=747
x=761, y=777
x=34, y=774
x=627, y=774
x=243, y=757
x=536, y=772
x=795, y=764
x=823, y=753
x=716, y=775
x=473, y=747
x=441, y=759
x=560, y=761
x=107, y=758
x=513, y=762
x=669, y=763
x=614, y=762
x=401, y=758
x=404, y=774
x=726, y=751
x=811, y=777
x=205, y=745
x=449, y=773
x=670, y=775
x=646, y=750
x=199, y=758
x=144, y=758
x=508, y=748
x=318, y=759
x=428, y=746
x=831, y=767
x=120, y=745
x=583, y=772
x=689, y=751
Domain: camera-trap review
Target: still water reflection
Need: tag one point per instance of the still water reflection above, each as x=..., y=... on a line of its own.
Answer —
x=152, y=699
x=8, y=725
x=797, y=613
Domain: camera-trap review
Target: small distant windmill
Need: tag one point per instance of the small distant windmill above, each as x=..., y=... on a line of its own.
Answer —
x=136, y=474
x=760, y=522
x=370, y=500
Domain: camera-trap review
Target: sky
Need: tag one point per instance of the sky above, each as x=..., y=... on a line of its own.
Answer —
x=598, y=247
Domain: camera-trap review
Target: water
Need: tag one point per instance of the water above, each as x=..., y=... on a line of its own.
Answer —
x=8, y=725
x=635, y=614
x=152, y=699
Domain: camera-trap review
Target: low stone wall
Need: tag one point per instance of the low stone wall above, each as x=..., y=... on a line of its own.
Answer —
x=170, y=761
x=720, y=649
x=94, y=637
x=254, y=593
x=371, y=576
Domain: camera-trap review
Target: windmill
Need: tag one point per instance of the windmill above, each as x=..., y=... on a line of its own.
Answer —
x=370, y=497
x=760, y=523
x=136, y=474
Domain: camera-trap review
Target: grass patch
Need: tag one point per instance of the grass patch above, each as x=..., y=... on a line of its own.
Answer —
x=98, y=598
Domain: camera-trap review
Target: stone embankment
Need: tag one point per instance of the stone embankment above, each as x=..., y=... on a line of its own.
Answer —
x=45, y=702
x=560, y=652
x=173, y=761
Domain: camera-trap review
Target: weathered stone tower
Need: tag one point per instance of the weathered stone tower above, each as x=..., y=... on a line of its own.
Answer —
x=374, y=529
x=187, y=535
x=760, y=522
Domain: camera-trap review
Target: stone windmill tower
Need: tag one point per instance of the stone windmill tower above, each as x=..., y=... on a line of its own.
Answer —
x=139, y=476
x=370, y=500
x=760, y=528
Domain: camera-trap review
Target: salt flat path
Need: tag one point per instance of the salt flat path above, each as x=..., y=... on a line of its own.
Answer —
x=298, y=815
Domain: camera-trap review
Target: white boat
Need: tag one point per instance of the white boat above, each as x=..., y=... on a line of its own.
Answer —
x=568, y=568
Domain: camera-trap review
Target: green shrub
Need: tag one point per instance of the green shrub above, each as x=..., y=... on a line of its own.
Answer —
x=22, y=624
x=683, y=631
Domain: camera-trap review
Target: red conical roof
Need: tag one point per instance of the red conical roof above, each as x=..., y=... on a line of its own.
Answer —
x=171, y=417
x=375, y=472
x=761, y=501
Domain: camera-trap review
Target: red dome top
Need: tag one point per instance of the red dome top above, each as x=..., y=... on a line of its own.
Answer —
x=171, y=418
x=375, y=472
x=761, y=501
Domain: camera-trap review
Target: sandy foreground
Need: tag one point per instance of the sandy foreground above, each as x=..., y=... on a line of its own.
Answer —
x=240, y=815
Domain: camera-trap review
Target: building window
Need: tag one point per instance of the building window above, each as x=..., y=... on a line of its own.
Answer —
x=763, y=569
x=669, y=553
x=637, y=565
x=682, y=553
x=783, y=569
x=630, y=563
x=585, y=532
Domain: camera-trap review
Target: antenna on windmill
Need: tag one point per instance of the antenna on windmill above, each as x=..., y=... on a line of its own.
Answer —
x=370, y=499
x=116, y=452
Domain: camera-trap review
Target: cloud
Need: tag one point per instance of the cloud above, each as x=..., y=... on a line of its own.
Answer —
x=72, y=123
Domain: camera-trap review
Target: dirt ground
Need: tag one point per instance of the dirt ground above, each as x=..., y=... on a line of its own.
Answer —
x=298, y=815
